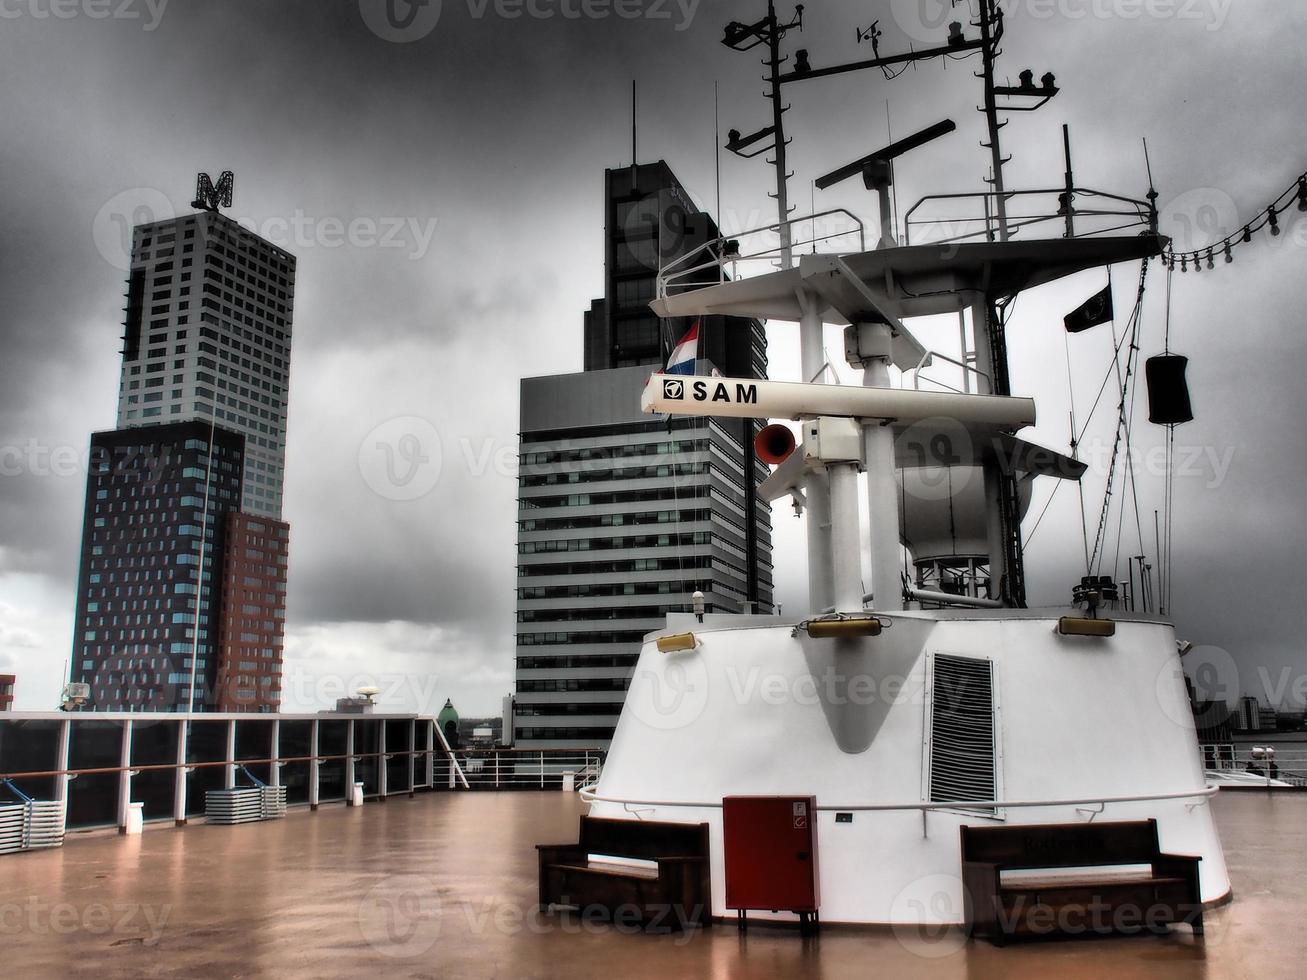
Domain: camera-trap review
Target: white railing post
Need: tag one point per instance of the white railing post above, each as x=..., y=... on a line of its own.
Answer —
x=124, y=776
x=412, y=757
x=542, y=770
x=274, y=769
x=431, y=756
x=61, y=762
x=349, y=761
x=229, y=779
x=314, y=766
x=179, y=778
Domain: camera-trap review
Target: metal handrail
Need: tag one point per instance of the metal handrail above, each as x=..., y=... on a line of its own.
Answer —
x=1145, y=212
x=930, y=354
x=1206, y=791
x=677, y=269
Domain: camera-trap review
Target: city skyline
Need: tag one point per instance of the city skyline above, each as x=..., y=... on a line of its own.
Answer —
x=420, y=302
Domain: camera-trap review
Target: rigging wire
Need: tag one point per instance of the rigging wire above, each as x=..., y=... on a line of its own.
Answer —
x=1122, y=426
x=1079, y=436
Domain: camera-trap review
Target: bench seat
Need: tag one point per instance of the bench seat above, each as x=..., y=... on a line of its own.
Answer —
x=674, y=892
x=1012, y=887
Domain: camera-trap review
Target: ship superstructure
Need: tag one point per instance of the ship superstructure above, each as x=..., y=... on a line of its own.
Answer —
x=906, y=708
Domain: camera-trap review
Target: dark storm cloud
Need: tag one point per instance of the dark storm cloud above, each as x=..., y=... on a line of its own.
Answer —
x=442, y=196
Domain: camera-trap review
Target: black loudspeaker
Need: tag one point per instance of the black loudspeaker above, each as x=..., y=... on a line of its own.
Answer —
x=1168, y=391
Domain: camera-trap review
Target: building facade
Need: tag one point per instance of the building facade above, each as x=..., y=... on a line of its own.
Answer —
x=7, y=682
x=623, y=516
x=149, y=591
x=253, y=615
x=207, y=335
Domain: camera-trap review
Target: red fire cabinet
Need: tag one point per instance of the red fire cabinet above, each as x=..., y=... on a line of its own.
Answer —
x=771, y=856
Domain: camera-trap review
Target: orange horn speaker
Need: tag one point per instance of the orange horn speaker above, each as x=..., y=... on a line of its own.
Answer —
x=774, y=444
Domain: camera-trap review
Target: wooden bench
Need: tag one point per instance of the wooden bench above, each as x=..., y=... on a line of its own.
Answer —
x=674, y=892
x=1018, y=883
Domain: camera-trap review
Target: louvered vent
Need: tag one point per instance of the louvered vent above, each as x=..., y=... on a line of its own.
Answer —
x=962, y=730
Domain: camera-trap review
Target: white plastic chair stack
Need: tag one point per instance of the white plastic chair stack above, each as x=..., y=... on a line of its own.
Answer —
x=45, y=824
x=274, y=802
x=233, y=806
x=13, y=823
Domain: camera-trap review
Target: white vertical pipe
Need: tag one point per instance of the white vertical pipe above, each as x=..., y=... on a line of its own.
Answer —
x=846, y=552
x=883, y=515
x=821, y=590
x=985, y=386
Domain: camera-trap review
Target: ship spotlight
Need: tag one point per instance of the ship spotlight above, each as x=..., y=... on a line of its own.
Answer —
x=774, y=444
x=676, y=643
x=1080, y=626
x=844, y=628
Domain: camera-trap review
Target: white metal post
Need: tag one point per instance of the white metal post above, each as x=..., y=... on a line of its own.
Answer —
x=816, y=488
x=61, y=761
x=882, y=489
x=179, y=779
x=274, y=772
x=431, y=755
x=349, y=761
x=412, y=757
x=993, y=489
x=124, y=776
x=846, y=550
x=315, y=766
x=229, y=779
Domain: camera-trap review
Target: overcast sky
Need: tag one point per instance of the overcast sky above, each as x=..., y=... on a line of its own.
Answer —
x=441, y=186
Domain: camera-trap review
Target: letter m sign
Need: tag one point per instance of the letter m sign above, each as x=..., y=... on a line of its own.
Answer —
x=209, y=197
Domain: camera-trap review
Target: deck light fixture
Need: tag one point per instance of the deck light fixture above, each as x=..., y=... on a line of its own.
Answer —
x=844, y=627
x=1082, y=626
x=676, y=643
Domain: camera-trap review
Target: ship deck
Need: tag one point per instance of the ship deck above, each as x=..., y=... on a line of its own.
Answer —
x=444, y=885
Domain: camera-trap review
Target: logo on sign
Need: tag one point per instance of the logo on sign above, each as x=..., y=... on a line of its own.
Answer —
x=674, y=389
x=800, y=816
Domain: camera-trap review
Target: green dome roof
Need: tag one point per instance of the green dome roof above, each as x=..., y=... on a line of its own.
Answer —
x=447, y=714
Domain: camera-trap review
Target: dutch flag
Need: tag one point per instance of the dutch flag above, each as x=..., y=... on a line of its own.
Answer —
x=686, y=353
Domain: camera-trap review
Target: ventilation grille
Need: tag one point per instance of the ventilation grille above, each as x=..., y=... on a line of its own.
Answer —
x=962, y=730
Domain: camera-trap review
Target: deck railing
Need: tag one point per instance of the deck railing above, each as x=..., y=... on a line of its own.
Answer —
x=97, y=764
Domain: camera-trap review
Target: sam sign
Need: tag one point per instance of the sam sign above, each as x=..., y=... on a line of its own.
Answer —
x=710, y=390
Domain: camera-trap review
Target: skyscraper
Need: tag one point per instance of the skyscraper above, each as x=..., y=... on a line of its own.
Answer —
x=191, y=558
x=622, y=517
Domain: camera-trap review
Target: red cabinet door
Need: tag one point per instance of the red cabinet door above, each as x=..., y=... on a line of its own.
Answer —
x=771, y=853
